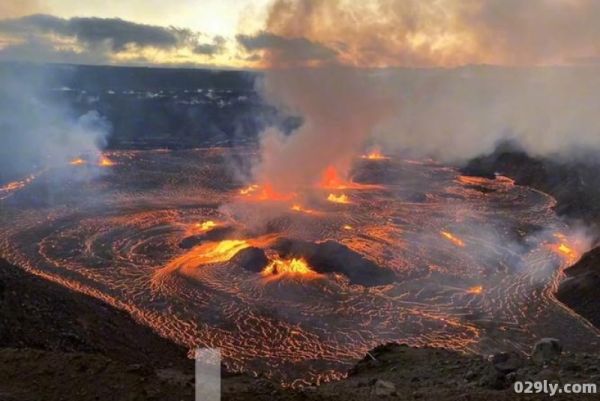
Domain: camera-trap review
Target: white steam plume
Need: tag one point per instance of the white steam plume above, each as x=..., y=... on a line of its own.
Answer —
x=37, y=131
x=339, y=109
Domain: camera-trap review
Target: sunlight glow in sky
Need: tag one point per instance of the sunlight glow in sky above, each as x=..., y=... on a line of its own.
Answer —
x=214, y=17
x=292, y=33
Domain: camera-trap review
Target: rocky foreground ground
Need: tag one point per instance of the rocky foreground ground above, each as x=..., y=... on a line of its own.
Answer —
x=60, y=345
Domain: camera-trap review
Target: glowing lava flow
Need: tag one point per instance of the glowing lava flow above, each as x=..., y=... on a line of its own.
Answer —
x=105, y=161
x=338, y=198
x=374, y=155
x=265, y=192
x=213, y=252
x=8, y=189
x=201, y=227
x=77, y=162
x=298, y=208
x=331, y=180
x=452, y=238
x=294, y=268
x=206, y=225
x=477, y=290
x=565, y=249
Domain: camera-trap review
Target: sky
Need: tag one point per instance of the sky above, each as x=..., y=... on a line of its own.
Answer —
x=259, y=34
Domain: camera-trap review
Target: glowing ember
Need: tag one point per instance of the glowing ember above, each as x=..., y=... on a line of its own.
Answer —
x=374, y=155
x=452, y=238
x=478, y=289
x=105, y=161
x=338, y=198
x=279, y=268
x=347, y=227
x=77, y=162
x=265, y=192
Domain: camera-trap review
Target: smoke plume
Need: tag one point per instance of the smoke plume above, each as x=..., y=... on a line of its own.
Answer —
x=339, y=108
x=531, y=96
x=37, y=130
x=415, y=33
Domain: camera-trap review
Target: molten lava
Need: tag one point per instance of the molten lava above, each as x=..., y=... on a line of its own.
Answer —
x=297, y=268
x=249, y=189
x=206, y=225
x=565, y=249
x=8, y=189
x=77, y=162
x=265, y=192
x=478, y=289
x=213, y=252
x=374, y=155
x=452, y=238
x=338, y=198
x=331, y=180
x=105, y=161
x=298, y=208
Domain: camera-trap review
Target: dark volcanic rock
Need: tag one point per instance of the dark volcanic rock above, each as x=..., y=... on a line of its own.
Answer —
x=332, y=257
x=506, y=362
x=546, y=350
x=38, y=314
x=575, y=184
x=216, y=234
x=580, y=289
x=252, y=259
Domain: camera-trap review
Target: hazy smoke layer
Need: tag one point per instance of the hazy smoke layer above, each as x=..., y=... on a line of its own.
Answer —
x=37, y=131
x=458, y=114
x=380, y=33
x=450, y=114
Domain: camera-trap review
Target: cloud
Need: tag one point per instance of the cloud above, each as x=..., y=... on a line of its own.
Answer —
x=288, y=50
x=217, y=46
x=94, y=31
x=43, y=37
x=40, y=49
x=11, y=9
